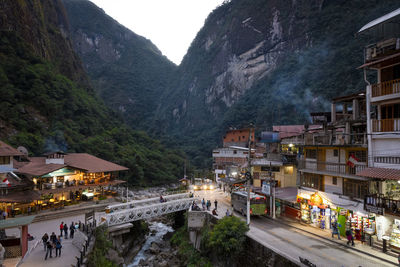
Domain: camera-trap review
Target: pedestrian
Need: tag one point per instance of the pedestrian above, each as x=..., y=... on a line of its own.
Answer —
x=65, y=230
x=71, y=231
x=208, y=204
x=53, y=238
x=350, y=237
x=5, y=214
x=215, y=203
x=335, y=230
x=58, y=247
x=49, y=250
x=61, y=228
x=203, y=204
x=227, y=213
x=29, y=210
x=45, y=238
x=214, y=212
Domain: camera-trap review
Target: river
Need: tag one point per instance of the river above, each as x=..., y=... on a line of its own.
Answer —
x=156, y=233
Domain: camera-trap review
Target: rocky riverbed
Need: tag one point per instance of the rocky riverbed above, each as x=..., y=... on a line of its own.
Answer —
x=156, y=250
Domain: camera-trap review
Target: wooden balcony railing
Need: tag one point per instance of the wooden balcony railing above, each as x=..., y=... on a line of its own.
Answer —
x=324, y=166
x=386, y=88
x=386, y=125
x=380, y=204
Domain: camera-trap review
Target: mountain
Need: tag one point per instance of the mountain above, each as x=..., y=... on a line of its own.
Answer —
x=265, y=62
x=48, y=102
x=128, y=70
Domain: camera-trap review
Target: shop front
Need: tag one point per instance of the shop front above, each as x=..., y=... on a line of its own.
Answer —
x=314, y=210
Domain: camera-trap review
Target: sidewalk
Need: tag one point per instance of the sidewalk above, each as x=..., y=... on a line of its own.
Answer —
x=327, y=235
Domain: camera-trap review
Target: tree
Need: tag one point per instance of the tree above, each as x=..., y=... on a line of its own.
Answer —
x=227, y=238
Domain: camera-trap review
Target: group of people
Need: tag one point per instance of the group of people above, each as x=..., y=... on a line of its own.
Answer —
x=54, y=242
x=349, y=233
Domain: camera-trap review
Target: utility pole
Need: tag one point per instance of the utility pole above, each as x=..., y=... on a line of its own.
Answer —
x=248, y=177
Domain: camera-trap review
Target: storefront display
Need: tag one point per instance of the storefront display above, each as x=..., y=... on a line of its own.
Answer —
x=395, y=235
x=305, y=213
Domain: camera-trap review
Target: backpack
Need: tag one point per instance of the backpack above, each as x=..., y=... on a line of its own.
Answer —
x=58, y=245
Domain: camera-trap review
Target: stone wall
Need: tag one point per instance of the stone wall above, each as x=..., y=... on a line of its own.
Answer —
x=258, y=255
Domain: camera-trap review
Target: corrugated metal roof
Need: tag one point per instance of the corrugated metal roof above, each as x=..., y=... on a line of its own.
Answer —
x=7, y=150
x=15, y=222
x=380, y=20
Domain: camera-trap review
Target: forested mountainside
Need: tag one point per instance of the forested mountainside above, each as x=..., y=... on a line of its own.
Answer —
x=266, y=62
x=128, y=71
x=47, y=102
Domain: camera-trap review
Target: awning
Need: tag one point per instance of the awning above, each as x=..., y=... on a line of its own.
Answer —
x=16, y=222
x=286, y=193
x=380, y=173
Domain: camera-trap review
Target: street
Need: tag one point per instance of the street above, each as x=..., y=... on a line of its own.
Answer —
x=292, y=242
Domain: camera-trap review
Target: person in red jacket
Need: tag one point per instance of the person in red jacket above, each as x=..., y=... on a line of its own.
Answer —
x=61, y=228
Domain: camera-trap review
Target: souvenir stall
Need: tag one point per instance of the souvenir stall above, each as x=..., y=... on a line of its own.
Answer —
x=314, y=211
x=395, y=236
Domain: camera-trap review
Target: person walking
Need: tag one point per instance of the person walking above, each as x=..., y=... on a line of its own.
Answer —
x=71, y=231
x=350, y=237
x=208, y=204
x=335, y=230
x=49, y=246
x=215, y=203
x=61, y=228
x=45, y=238
x=53, y=238
x=65, y=230
x=203, y=204
x=58, y=247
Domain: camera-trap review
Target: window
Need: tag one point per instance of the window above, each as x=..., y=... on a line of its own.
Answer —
x=312, y=180
x=334, y=180
x=390, y=111
x=335, y=152
x=288, y=170
x=272, y=169
x=354, y=188
x=389, y=160
x=311, y=154
x=4, y=160
x=234, y=152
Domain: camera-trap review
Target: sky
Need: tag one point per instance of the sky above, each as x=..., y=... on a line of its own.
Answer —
x=170, y=24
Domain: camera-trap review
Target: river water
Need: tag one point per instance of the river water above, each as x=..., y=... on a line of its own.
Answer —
x=160, y=230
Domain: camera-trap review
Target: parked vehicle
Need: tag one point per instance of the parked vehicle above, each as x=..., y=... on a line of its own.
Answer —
x=258, y=203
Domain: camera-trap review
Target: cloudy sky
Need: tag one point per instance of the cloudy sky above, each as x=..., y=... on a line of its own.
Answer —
x=170, y=24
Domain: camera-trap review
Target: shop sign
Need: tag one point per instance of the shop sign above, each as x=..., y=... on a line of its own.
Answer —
x=376, y=210
x=343, y=212
x=266, y=188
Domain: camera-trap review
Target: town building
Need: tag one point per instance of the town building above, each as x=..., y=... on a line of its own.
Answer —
x=238, y=137
x=382, y=74
x=329, y=189
x=30, y=184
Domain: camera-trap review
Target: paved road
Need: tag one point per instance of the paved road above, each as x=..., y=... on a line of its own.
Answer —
x=295, y=243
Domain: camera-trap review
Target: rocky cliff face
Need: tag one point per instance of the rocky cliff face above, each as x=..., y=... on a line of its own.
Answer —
x=128, y=70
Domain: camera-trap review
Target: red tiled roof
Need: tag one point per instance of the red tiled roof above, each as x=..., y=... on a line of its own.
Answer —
x=7, y=150
x=380, y=173
x=91, y=163
x=83, y=161
x=38, y=167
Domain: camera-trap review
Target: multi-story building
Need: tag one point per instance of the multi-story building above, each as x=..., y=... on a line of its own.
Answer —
x=382, y=75
x=238, y=137
x=333, y=154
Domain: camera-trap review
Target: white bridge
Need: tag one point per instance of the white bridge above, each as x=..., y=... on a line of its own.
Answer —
x=146, y=208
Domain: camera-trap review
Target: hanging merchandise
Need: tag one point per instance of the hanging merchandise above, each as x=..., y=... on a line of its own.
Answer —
x=395, y=235
x=305, y=213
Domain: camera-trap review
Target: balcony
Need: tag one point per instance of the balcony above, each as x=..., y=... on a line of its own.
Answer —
x=385, y=90
x=386, y=125
x=382, y=49
x=335, y=139
x=382, y=205
x=330, y=167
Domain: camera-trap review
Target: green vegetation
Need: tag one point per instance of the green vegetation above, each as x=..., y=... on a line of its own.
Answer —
x=97, y=257
x=43, y=110
x=188, y=255
x=226, y=240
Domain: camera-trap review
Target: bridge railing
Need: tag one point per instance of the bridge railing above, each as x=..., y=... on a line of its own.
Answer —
x=149, y=211
x=143, y=202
